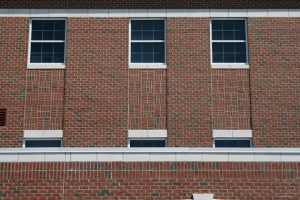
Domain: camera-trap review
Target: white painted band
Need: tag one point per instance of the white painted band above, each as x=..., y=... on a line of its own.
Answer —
x=232, y=133
x=28, y=134
x=147, y=134
x=150, y=155
x=105, y=13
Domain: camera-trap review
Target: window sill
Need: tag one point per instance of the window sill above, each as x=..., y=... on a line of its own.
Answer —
x=147, y=66
x=46, y=66
x=230, y=66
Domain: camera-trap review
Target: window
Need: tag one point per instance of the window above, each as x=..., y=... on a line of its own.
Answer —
x=147, y=42
x=42, y=143
x=147, y=143
x=2, y=116
x=232, y=143
x=47, y=41
x=229, y=41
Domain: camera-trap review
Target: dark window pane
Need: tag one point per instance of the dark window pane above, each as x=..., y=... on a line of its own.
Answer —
x=59, y=35
x=59, y=47
x=218, y=57
x=217, y=47
x=228, y=24
x=136, y=58
x=229, y=58
x=217, y=25
x=48, y=35
x=47, y=58
x=240, y=47
x=159, y=35
x=159, y=48
x=58, y=58
x=37, y=35
x=159, y=25
x=147, y=35
x=48, y=25
x=159, y=58
x=232, y=143
x=47, y=47
x=228, y=35
x=147, y=48
x=228, y=47
x=136, y=25
x=37, y=25
x=36, y=47
x=35, y=57
x=239, y=35
x=147, y=58
x=136, y=47
x=147, y=143
x=239, y=25
x=240, y=58
x=60, y=25
x=147, y=25
x=217, y=35
x=43, y=143
x=136, y=35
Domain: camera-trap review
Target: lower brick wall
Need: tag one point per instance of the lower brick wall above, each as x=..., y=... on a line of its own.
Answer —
x=163, y=180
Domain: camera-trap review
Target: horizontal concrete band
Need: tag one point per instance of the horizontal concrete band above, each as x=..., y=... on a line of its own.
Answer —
x=149, y=12
x=150, y=155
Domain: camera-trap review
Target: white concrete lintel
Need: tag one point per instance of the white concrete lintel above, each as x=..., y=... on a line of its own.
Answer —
x=147, y=133
x=34, y=134
x=232, y=133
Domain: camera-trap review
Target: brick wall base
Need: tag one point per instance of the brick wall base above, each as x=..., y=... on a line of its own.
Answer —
x=164, y=180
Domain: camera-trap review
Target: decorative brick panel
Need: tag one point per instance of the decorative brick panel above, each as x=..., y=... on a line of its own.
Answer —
x=163, y=180
x=96, y=100
x=274, y=47
x=147, y=99
x=231, y=99
x=44, y=100
x=13, y=61
x=157, y=4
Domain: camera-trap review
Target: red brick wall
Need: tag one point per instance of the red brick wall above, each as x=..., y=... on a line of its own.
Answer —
x=147, y=99
x=130, y=4
x=231, y=101
x=13, y=61
x=167, y=180
x=189, y=82
x=44, y=100
x=96, y=86
x=274, y=47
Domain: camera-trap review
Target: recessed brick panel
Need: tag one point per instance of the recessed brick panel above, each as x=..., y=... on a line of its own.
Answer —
x=147, y=99
x=44, y=100
x=231, y=99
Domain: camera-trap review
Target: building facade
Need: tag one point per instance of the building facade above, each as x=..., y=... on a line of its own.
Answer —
x=190, y=79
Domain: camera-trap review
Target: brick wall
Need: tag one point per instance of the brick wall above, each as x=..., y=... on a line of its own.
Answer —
x=274, y=47
x=164, y=180
x=96, y=87
x=99, y=106
x=13, y=61
x=156, y=4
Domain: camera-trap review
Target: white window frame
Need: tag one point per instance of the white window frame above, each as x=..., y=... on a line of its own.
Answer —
x=232, y=135
x=147, y=65
x=229, y=65
x=46, y=65
x=42, y=135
